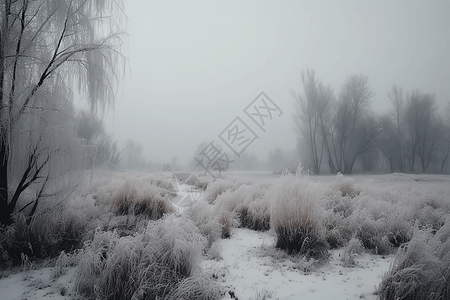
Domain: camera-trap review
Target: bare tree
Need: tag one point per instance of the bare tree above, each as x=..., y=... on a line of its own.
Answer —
x=388, y=142
x=47, y=47
x=309, y=118
x=444, y=147
x=355, y=127
x=423, y=127
x=397, y=101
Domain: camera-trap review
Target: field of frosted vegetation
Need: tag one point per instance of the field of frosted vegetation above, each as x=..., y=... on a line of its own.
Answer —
x=147, y=236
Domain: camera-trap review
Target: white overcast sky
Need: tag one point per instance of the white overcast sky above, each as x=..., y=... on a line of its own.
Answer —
x=195, y=65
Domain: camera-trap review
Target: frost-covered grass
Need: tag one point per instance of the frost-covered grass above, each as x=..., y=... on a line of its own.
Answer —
x=224, y=184
x=160, y=261
x=128, y=240
x=422, y=267
x=106, y=200
x=379, y=212
x=240, y=202
x=51, y=230
x=297, y=217
x=381, y=215
x=196, y=180
x=134, y=197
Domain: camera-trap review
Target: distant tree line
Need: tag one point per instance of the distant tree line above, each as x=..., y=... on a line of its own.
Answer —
x=277, y=160
x=343, y=133
x=98, y=148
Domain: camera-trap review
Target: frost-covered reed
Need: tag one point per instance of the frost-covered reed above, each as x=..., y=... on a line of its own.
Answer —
x=161, y=261
x=421, y=269
x=297, y=217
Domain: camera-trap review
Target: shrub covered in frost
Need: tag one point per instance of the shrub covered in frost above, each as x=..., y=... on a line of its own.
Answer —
x=207, y=222
x=162, y=261
x=382, y=219
x=216, y=188
x=138, y=198
x=228, y=220
x=248, y=204
x=222, y=185
x=421, y=269
x=346, y=187
x=297, y=217
x=54, y=228
x=351, y=251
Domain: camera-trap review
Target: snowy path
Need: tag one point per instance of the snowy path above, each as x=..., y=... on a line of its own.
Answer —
x=248, y=271
x=186, y=195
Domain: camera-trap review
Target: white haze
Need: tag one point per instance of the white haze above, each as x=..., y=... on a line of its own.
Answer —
x=195, y=65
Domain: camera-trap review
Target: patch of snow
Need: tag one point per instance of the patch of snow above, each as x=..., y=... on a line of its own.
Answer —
x=246, y=271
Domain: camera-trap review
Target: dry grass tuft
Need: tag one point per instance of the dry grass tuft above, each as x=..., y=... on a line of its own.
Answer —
x=346, y=187
x=297, y=218
x=247, y=202
x=135, y=198
x=216, y=188
x=421, y=269
x=203, y=216
x=161, y=261
x=351, y=251
x=228, y=220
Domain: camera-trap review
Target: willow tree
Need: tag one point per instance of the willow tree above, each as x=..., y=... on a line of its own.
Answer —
x=48, y=48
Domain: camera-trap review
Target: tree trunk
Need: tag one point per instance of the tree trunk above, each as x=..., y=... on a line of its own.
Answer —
x=5, y=213
x=445, y=158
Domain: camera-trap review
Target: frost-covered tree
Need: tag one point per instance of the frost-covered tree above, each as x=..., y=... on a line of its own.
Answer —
x=388, y=143
x=415, y=135
x=396, y=97
x=354, y=127
x=337, y=130
x=311, y=109
x=443, y=151
x=98, y=148
x=423, y=128
x=48, y=48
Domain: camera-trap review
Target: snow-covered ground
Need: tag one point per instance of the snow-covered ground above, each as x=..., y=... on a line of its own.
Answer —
x=247, y=271
x=250, y=267
x=37, y=284
x=251, y=272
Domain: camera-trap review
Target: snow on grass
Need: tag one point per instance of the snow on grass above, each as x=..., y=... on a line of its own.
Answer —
x=297, y=217
x=422, y=267
x=362, y=219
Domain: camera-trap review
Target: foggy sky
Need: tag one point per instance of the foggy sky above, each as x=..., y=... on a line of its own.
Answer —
x=195, y=65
